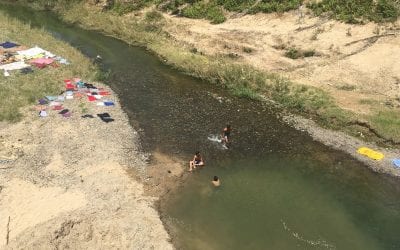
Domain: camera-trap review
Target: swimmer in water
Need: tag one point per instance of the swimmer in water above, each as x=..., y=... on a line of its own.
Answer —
x=226, y=134
x=216, y=182
x=197, y=161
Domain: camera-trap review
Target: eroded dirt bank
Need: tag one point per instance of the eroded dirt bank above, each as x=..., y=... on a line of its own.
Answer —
x=67, y=183
x=352, y=62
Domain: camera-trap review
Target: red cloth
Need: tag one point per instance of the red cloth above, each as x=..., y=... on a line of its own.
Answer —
x=69, y=86
x=40, y=66
x=58, y=107
x=67, y=81
x=104, y=93
x=91, y=98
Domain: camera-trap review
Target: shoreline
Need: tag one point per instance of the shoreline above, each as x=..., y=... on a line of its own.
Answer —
x=338, y=140
x=78, y=178
x=161, y=182
x=71, y=182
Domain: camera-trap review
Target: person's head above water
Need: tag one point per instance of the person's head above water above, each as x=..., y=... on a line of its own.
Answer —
x=216, y=178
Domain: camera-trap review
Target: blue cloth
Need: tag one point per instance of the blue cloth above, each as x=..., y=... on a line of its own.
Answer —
x=396, y=162
x=43, y=101
x=8, y=45
x=108, y=103
x=51, y=98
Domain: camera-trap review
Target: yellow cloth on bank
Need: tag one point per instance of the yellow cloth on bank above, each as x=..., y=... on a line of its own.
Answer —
x=370, y=153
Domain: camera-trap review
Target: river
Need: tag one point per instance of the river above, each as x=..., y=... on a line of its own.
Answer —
x=280, y=189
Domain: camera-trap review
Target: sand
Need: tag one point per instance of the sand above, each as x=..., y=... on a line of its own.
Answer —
x=352, y=62
x=68, y=183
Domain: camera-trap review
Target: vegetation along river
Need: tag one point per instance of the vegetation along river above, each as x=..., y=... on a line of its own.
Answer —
x=280, y=189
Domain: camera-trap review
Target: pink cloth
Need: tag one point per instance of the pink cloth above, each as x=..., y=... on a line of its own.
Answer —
x=42, y=61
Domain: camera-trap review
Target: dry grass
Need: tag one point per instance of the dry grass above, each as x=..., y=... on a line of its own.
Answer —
x=242, y=80
x=19, y=90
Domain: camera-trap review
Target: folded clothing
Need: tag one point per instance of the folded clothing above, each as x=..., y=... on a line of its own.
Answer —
x=58, y=107
x=43, y=101
x=105, y=117
x=53, y=103
x=69, y=86
x=89, y=86
x=14, y=66
x=35, y=52
x=41, y=61
x=43, y=113
x=8, y=45
x=63, y=111
x=87, y=116
x=51, y=98
x=26, y=70
x=103, y=93
x=91, y=98
x=108, y=103
x=68, y=114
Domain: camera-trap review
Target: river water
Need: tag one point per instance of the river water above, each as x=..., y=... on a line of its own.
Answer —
x=280, y=189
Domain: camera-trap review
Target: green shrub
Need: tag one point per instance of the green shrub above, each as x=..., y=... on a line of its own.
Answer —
x=123, y=8
x=387, y=123
x=210, y=11
x=236, y=5
x=309, y=53
x=293, y=53
x=356, y=11
x=276, y=6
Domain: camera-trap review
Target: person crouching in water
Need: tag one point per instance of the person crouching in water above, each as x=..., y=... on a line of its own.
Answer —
x=197, y=161
x=226, y=134
x=216, y=182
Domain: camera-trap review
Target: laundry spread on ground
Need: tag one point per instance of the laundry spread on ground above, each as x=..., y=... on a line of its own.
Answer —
x=375, y=155
x=14, y=66
x=16, y=57
x=35, y=52
x=75, y=87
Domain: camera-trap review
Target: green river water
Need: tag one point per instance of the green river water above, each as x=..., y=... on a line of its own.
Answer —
x=280, y=189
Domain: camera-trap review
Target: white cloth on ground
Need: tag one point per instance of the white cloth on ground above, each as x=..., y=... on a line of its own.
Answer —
x=14, y=66
x=33, y=52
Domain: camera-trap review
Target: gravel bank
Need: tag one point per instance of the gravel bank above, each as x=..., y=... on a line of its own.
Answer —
x=67, y=183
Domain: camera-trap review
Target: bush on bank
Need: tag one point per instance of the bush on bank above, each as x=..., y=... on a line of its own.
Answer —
x=242, y=80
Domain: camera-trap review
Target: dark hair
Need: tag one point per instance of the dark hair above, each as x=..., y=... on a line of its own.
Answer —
x=197, y=152
x=215, y=178
x=228, y=126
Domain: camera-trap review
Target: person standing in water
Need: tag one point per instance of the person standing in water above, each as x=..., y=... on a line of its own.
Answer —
x=226, y=134
x=216, y=182
x=197, y=161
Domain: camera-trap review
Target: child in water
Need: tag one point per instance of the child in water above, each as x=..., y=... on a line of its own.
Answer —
x=226, y=134
x=197, y=161
x=216, y=182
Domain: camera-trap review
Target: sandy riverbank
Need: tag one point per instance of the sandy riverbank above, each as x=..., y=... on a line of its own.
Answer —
x=68, y=184
x=348, y=144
